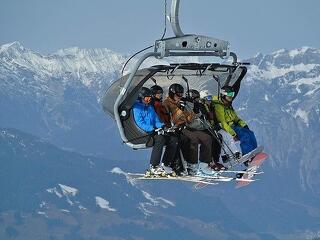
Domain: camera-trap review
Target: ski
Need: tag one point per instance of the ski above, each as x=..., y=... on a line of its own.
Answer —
x=253, y=167
x=247, y=157
x=184, y=178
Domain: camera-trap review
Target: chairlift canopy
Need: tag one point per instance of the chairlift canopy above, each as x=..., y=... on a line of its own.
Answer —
x=205, y=76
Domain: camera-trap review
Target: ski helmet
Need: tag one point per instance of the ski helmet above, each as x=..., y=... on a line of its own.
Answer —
x=194, y=94
x=175, y=89
x=208, y=98
x=227, y=91
x=144, y=92
x=156, y=89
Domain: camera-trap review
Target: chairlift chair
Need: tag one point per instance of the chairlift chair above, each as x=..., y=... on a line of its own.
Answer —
x=121, y=95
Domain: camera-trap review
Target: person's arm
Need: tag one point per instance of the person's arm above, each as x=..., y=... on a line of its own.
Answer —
x=158, y=122
x=140, y=121
x=219, y=110
x=238, y=120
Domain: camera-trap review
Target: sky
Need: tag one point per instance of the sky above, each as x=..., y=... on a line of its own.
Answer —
x=126, y=26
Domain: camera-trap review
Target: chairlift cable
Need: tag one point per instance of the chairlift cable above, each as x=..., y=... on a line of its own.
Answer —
x=165, y=19
x=164, y=33
x=124, y=66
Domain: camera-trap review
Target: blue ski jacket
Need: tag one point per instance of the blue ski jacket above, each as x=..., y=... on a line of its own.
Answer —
x=146, y=117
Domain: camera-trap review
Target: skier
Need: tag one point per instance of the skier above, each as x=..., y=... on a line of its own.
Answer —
x=230, y=121
x=176, y=164
x=157, y=93
x=147, y=119
x=207, y=118
x=227, y=143
x=182, y=116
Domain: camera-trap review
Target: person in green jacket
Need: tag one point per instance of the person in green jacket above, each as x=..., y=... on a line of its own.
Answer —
x=231, y=123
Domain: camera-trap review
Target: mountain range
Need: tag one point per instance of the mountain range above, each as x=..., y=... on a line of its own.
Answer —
x=56, y=98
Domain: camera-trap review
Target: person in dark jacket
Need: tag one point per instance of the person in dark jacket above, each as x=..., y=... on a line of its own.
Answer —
x=147, y=119
x=201, y=109
x=177, y=164
x=181, y=114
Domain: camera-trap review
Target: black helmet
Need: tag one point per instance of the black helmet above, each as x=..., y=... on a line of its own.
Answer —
x=227, y=91
x=194, y=94
x=156, y=89
x=175, y=89
x=144, y=92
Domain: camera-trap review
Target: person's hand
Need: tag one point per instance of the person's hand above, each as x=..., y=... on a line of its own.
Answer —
x=181, y=105
x=170, y=129
x=235, y=138
x=159, y=131
x=247, y=127
x=181, y=127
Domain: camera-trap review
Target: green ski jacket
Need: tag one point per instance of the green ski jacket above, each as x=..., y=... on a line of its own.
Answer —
x=227, y=116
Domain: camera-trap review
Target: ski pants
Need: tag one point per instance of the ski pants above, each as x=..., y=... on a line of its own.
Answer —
x=247, y=139
x=197, y=137
x=228, y=144
x=171, y=143
x=216, y=145
x=179, y=163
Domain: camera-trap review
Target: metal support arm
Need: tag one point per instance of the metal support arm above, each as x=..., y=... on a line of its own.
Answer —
x=122, y=96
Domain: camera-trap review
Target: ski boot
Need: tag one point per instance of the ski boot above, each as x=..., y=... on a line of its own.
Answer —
x=239, y=175
x=192, y=169
x=168, y=170
x=246, y=163
x=205, y=169
x=225, y=158
x=155, y=171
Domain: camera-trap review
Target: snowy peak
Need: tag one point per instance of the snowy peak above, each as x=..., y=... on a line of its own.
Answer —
x=297, y=64
x=293, y=78
x=89, y=60
x=73, y=60
x=11, y=47
x=93, y=68
x=305, y=56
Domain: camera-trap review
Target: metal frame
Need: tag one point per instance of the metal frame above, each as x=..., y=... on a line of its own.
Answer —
x=168, y=49
x=174, y=18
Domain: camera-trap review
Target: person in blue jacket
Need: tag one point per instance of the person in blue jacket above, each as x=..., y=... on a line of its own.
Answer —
x=147, y=119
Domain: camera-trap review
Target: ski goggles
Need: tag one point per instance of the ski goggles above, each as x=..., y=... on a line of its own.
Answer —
x=229, y=94
x=158, y=92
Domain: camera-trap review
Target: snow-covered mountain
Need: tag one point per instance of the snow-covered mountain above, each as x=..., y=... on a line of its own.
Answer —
x=57, y=96
x=92, y=68
x=50, y=193
x=79, y=197
x=280, y=98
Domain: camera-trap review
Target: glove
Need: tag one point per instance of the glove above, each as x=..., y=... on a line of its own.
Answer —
x=159, y=131
x=171, y=129
x=235, y=138
x=246, y=126
x=181, y=105
x=181, y=127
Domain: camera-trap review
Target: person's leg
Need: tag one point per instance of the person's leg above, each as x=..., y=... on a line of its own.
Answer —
x=192, y=147
x=253, y=139
x=192, y=157
x=229, y=144
x=216, y=146
x=205, y=146
x=159, y=142
x=171, y=148
x=182, y=154
x=246, y=144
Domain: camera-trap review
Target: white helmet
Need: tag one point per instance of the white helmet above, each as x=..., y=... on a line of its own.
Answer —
x=204, y=93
